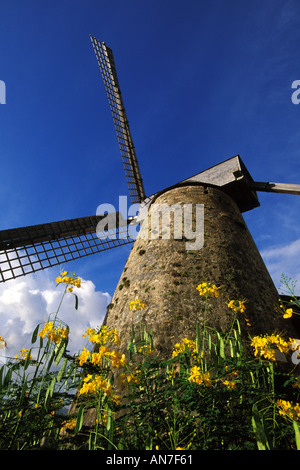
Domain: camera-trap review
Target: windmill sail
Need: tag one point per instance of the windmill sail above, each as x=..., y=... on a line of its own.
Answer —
x=36, y=247
x=107, y=66
x=33, y=248
x=283, y=188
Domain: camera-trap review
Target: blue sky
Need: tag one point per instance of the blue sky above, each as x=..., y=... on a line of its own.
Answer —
x=201, y=80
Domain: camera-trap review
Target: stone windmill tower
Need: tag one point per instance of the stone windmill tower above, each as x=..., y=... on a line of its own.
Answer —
x=189, y=233
x=164, y=268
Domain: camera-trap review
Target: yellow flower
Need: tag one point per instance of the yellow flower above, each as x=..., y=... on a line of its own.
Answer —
x=208, y=288
x=297, y=383
x=105, y=335
x=47, y=328
x=118, y=359
x=70, y=424
x=186, y=345
x=237, y=306
x=55, y=335
x=136, y=304
x=229, y=384
x=116, y=399
x=266, y=346
x=145, y=349
x=84, y=356
x=288, y=313
x=171, y=375
x=23, y=355
x=69, y=280
x=262, y=348
x=89, y=331
x=3, y=343
x=97, y=358
x=102, y=419
x=132, y=378
x=92, y=384
x=124, y=379
x=288, y=409
x=97, y=386
x=198, y=377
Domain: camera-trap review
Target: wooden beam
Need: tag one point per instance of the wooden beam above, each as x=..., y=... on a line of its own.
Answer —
x=284, y=188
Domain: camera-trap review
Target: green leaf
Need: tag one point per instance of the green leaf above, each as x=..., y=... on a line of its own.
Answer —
x=221, y=346
x=108, y=424
x=238, y=342
x=297, y=434
x=198, y=338
x=74, y=373
x=27, y=360
x=79, y=420
x=133, y=339
x=34, y=334
x=23, y=393
x=239, y=327
x=49, y=393
x=60, y=352
x=7, y=378
x=259, y=430
x=62, y=370
x=209, y=344
x=145, y=334
x=2, y=370
x=50, y=360
x=231, y=348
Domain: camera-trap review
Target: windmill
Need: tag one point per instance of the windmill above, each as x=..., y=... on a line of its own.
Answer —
x=156, y=268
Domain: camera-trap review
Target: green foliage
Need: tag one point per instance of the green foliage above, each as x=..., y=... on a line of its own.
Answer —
x=210, y=394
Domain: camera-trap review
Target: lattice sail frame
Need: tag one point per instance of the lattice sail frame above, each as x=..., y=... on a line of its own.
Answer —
x=29, y=249
x=107, y=66
x=33, y=248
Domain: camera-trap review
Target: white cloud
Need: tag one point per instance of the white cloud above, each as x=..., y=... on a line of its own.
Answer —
x=283, y=259
x=27, y=301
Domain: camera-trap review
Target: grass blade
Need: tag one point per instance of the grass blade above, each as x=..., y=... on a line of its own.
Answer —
x=259, y=430
x=297, y=434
